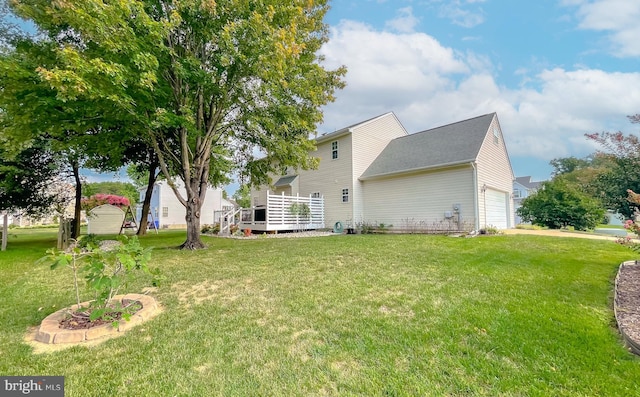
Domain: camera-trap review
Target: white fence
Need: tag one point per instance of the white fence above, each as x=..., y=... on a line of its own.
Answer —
x=285, y=213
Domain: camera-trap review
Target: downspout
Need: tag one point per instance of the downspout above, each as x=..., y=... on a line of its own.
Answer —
x=476, y=206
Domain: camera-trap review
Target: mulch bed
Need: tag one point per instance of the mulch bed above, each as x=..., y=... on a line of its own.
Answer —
x=80, y=319
x=627, y=304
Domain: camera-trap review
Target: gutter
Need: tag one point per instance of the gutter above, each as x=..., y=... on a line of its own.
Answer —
x=476, y=205
x=333, y=135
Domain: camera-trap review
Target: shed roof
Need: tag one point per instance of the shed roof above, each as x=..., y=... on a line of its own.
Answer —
x=450, y=144
x=106, y=209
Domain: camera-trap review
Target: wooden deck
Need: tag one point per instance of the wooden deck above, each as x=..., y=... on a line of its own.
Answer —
x=284, y=213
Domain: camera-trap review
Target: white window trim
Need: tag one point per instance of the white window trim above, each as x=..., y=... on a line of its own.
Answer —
x=337, y=153
x=347, y=195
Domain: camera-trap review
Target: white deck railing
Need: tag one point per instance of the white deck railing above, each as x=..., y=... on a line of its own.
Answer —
x=285, y=213
x=226, y=218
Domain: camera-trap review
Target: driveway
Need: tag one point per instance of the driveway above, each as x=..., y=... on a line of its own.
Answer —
x=560, y=233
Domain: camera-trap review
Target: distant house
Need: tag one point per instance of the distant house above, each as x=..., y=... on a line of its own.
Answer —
x=167, y=212
x=523, y=187
x=454, y=177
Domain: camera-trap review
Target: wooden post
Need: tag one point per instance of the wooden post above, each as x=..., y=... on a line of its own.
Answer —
x=64, y=233
x=5, y=230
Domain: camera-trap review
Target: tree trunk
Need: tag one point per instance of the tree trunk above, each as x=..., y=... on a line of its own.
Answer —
x=153, y=176
x=193, y=225
x=75, y=232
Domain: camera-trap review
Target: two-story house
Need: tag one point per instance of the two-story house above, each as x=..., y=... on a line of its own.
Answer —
x=454, y=177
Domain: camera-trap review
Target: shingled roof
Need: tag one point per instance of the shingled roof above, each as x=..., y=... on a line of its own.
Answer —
x=342, y=131
x=526, y=182
x=450, y=144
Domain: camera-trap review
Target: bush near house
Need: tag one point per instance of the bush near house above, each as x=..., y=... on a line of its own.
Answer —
x=557, y=204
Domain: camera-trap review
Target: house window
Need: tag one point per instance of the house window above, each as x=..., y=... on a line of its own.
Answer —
x=334, y=150
x=516, y=193
x=315, y=195
x=345, y=195
x=496, y=136
x=165, y=212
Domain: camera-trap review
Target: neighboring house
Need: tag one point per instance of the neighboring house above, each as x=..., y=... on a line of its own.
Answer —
x=65, y=202
x=454, y=177
x=167, y=212
x=523, y=187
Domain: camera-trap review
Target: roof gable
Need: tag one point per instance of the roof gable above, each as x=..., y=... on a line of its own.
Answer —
x=526, y=182
x=345, y=130
x=450, y=144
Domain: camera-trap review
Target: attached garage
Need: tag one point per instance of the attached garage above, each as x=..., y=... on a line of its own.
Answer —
x=496, y=207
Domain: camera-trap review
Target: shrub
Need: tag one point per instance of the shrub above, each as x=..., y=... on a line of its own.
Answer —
x=210, y=229
x=100, y=199
x=558, y=205
x=489, y=230
x=106, y=271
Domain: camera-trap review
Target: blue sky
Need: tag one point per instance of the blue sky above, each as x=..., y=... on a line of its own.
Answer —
x=553, y=70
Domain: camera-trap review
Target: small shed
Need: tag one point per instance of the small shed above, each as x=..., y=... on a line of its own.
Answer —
x=105, y=219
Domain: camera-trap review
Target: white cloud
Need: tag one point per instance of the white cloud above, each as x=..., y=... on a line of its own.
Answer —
x=404, y=22
x=427, y=84
x=617, y=17
x=461, y=12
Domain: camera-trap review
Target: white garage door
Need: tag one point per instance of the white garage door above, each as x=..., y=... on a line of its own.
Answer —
x=496, y=206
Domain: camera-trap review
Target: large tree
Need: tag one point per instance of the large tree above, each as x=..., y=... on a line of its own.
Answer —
x=568, y=165
x=144, y=174
x=585, y=174
x=25, y=179
x=28, y=183
x=623, y=153
x=32, y=110
x=242, y=196
x=208, y=83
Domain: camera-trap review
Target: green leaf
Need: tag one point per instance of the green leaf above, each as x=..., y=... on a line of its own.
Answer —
x=97, y=314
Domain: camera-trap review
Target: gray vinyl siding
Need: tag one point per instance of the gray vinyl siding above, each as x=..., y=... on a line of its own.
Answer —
x=494, y=171
x=420, y=197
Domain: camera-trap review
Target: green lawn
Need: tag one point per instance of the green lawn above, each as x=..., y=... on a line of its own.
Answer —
x=367, y=315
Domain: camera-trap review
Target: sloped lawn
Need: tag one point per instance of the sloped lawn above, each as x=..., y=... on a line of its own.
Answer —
x=369, y=315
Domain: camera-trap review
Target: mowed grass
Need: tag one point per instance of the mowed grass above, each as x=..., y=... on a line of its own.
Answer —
x=352, y=315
